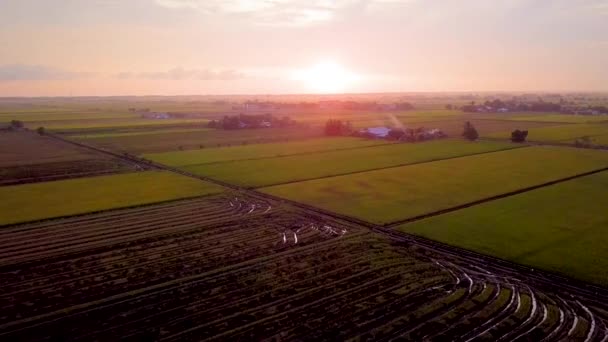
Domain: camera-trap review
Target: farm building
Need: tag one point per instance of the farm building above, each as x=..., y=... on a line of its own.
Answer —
x=156, y=115
x=378, y=132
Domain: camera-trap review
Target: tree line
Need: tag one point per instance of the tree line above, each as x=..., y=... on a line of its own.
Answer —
x=251, y=121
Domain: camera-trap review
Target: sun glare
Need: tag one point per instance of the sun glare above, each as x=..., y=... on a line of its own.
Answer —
x=327, y=77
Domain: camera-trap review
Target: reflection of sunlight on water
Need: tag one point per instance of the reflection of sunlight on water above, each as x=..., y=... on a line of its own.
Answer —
x=325, y=230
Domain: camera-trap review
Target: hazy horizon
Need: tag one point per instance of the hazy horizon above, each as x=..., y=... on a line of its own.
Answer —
x=248, y=47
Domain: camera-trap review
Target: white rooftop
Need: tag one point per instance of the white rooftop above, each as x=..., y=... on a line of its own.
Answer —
x=379, y=131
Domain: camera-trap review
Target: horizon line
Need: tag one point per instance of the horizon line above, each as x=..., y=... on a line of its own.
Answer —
x=471, y=92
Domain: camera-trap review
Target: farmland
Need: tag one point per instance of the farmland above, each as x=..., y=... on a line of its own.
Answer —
x=133, y=132
x=22, y=148
x=72, y=119
x=163, y=141
x=535, y=229
x=384, y=196
x=156, y=139
x=486, y=127
x=64, y=116
x=601, y=140
x=566, y=133
x=105, y=123
x=44, y=200
x=27, y=157
x=254, y=173
x=280, y=234
x=228, y=267
x=565, y=118
x=269, y=150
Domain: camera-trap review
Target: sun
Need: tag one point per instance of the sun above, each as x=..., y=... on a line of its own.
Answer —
x=326, y=77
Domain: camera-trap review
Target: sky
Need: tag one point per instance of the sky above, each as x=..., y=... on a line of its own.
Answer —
x=172, y=47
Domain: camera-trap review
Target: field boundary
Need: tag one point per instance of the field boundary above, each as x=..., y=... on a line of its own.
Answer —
x=553, y=280
x=15, y=224
x=558, y=143
x=547, y=278
x=101, y=129
x=54, y=178
x=533, y=121
x=388, y=167
x=128, y=158
x=279, y=156
x=493, y=198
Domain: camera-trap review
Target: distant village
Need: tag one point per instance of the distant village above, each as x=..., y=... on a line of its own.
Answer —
x=259, y=114
x=499, y=106
x=254, y=114
x=401, y=134
x=255, y=106
x=340, y=128
x=243, y=121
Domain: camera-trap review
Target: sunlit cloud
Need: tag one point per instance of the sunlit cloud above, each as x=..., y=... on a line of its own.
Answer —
x=600, y=6
x=279, y=12
x=23, y=72
x=245, y=46
x=234, y=6
x=185, y=74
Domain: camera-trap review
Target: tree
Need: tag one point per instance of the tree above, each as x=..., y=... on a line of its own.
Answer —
x=348, y=128
x=337, y=127
x=40, y=130
x=449, y=107
x=469, y=108
x=230, y=122
x=396, y=134
x=519, y=136
x=409, y=135
x=470, y=133
x=16, y=124
x=404, y=106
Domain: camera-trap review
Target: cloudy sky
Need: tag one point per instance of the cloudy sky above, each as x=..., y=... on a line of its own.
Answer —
x=121, y=47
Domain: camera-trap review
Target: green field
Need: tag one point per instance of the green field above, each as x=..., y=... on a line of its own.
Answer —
x=431, y=113
x=565, y=118
x=167, y=140
x=66, y=105
x=394, y=194
x=601, y=140
x=558, y=133
x=560, y=228
x=77, y=124
x=138, y=132
x=264, y=172
x=222, y=154
x=453, y=127
x=37, y=201
x=65, y=116
x=374, y=118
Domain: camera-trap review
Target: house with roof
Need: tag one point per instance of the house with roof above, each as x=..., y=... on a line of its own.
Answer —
x=377, y=132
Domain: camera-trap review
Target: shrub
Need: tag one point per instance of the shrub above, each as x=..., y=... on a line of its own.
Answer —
x=337, y=127
x=470, y=133
x=16, y=124
x=519, y=136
